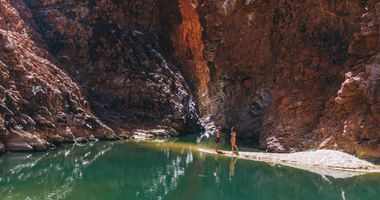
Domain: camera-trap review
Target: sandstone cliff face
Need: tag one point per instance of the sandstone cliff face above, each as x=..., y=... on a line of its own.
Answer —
x=278, y=72
x=113, y=50
x=39, y=104
x=289, y=75
x=358, y=96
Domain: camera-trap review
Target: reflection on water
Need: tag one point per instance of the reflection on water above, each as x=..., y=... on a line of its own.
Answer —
x=232, y=166
x=47, y=175
x=165, y=170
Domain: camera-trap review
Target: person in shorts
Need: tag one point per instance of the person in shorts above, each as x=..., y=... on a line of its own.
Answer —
x=217, y=139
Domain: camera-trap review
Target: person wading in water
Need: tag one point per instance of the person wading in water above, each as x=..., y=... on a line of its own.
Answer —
x=233, y=141
x=217, y=139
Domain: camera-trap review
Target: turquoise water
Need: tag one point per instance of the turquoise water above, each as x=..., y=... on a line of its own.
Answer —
x=164, y=170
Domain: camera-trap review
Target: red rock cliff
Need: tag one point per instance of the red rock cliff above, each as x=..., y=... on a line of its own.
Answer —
x=289, y=75
x=114, y=51
x=295, y=75
x=39, y=104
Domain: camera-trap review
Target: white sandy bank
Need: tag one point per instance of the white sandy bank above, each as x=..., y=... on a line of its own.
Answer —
x=325, y=162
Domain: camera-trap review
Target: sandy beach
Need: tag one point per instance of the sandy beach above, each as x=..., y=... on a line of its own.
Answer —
x=324, y=162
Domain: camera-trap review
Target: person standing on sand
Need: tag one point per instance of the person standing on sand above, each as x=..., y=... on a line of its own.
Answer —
x=233, y=141
x=217, y=139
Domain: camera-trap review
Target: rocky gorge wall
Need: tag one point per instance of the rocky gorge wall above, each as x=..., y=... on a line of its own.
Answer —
x=290, y=75
x=113, y=50
x=295, y=75
x=69, y=66
x=39, y=104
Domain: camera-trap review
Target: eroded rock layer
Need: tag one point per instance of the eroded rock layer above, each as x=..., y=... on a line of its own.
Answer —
x=39, y=104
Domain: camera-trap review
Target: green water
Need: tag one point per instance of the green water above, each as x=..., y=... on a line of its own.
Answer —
x=164, y=170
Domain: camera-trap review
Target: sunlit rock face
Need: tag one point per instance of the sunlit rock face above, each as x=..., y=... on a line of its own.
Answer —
x=358, y=96
x=39, y=104
x=295, y=75
x=188, y=51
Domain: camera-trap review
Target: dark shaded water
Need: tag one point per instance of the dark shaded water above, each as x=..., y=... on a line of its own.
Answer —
x=166, y=170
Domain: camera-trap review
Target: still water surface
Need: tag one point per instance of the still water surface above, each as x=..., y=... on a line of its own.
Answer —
x=164, y=170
